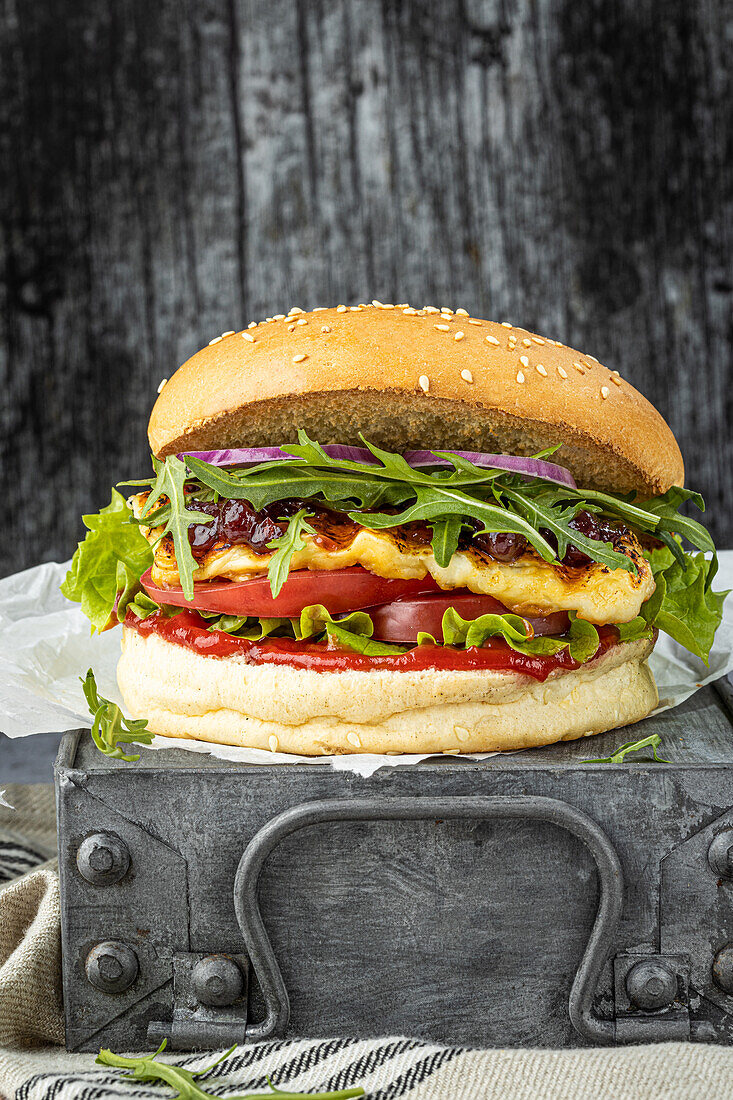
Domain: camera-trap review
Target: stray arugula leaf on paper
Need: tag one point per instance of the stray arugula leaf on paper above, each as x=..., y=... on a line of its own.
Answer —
x=110, y=728
x=185, y=1081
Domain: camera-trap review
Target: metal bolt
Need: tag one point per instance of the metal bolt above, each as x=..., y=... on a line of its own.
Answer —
x=720, y=854
x=112, y=966
x=217, y=980
x=102, y=859
x=651, y=985
x=723, y=969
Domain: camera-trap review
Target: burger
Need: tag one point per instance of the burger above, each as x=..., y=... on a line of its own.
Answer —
x=385, y=529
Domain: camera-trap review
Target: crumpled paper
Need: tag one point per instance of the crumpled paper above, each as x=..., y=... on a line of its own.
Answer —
x=46, y=645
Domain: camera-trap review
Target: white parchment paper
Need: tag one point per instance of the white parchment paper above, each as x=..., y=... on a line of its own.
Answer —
x=45, y=646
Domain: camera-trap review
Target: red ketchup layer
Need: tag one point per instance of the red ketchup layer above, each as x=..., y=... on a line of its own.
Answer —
x=189, y=629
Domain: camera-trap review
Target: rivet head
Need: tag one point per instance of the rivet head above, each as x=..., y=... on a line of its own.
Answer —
x=723, y=969
x=217, y=980
x=651, y=985
x=102, y=859
x=111, y=966
x=720, y=854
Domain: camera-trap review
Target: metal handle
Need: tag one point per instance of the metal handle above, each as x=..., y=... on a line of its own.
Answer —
x=526, y=807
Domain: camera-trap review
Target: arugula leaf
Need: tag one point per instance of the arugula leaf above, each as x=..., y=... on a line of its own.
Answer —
x=285, y=547
x=111, y=558
x=621, y=753
x=184, y=1081
x=170, y=483
x=446, y=533
x=109, y=725
x=683, y=604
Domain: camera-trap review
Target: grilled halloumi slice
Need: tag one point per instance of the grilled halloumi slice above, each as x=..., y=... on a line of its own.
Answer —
x=527, y=585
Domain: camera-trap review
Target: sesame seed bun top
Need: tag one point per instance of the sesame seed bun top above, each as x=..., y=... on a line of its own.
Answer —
x=421, y=379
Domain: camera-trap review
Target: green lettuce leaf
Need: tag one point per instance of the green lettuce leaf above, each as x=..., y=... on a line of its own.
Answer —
x=683, y=604
x=110, y=560
x=634, y=631
x=582, y=639
x=315, y=619
x=361, y=644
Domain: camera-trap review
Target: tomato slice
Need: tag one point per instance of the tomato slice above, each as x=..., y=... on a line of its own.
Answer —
x=339, y=590
x=401, y=620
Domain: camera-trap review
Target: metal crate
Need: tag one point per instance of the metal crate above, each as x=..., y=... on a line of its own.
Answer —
x=528, y=900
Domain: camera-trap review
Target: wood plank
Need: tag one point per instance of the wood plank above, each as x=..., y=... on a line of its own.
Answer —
x=175, y=169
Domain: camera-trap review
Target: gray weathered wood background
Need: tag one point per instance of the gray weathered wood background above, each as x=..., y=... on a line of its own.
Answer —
x=176, y=168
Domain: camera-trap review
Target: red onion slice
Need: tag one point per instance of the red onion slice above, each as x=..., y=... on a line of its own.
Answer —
x=515, y=464
x=529, y=467
x=248, y=456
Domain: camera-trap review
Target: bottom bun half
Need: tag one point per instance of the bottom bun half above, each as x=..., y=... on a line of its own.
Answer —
x=225, y=700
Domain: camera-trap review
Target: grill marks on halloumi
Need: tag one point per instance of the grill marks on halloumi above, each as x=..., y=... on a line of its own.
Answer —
x=527, y=585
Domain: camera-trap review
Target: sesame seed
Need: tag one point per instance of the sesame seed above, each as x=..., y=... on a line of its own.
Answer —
x=473, y=321
x=161, y=384
x=387, y=305
x=592, y=357
x=527, y=343
x=520, y=377
x=229, y=332
x=341, y=309
x=615, y=380
x=459, y=336
x=506, y=324
x=432, y=309
x=462, y=312
x=272, y=742
x=355, y=309
x=492, y=340
x=301, y=321
x=409, y=311
x=442, y=328
x=215, y=340
x=279, y=317
x=402, y=305
x=451, y=752
x=248, y=336
x=268, y=319
x=541, y=370
x=615, y=372
x=461, y=733
x=291, y=328
x=579, y=367
x=325, y=328
x=295, y=309
x=299, y=358
x=424, y=383
x=421, y=313
x=252, y=324
x=558, y=343
x=537, y=340
x=318, y=309
x=444, y=309
x=376, y=303
x=524, y=360
x=604, y=392
x=562, y=372
x=353, y=739
x=466, y=376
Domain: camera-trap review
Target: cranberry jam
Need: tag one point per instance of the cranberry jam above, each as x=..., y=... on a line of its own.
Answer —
x=236, y=521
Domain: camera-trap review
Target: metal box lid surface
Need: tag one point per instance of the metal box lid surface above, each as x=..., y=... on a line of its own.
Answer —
x=530, y=899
